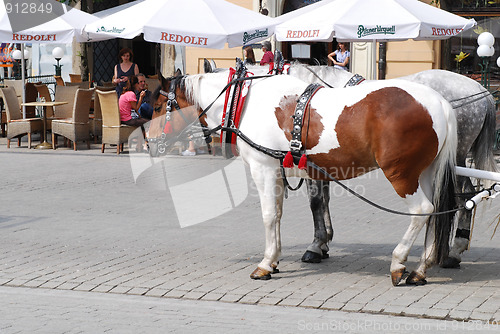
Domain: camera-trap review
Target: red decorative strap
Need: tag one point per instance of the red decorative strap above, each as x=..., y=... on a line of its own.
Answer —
x=230, y=77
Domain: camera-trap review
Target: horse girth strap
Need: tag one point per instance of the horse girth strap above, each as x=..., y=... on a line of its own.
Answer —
x=298, y=117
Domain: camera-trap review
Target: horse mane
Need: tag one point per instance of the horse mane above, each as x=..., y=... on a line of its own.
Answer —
x=192, y=88
x=334, y=76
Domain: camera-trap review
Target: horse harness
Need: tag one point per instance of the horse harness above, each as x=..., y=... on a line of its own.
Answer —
x=171, y=103
x=297, y=155
x=231, y=116
x=355, y=80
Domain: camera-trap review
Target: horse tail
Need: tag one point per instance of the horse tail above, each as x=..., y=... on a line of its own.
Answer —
x=482, y=149
x=444, y=187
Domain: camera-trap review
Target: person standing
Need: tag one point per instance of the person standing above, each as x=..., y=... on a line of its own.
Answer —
x=340, y=57
x=124, y=69
x=268, y=56
x=248, y=55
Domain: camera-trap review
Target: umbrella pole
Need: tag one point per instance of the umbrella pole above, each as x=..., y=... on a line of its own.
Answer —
x=23, y=78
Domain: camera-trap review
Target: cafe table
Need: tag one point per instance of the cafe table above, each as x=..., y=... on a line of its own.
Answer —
x=45, y=144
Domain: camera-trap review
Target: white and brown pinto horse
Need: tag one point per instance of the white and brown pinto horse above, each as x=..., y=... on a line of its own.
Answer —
x=346, y=132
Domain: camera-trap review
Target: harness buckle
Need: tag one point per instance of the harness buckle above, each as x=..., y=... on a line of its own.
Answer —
x=295, y=145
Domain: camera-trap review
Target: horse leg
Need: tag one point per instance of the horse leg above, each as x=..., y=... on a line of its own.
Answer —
x=316, y=250
x=279, y=212
x=270, y=188
x=418, y=204
x=464, y=218
x=327, y=218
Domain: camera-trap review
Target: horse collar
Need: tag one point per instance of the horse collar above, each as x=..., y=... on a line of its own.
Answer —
x=355, y=80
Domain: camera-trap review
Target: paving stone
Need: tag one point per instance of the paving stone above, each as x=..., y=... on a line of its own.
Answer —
x=156, y=292
x=119, y=289
x=213, y=296
x=436, y=313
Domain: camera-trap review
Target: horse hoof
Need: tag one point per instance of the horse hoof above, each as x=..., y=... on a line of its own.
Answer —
x=398, y=275
x=275, y=268
x=450, y=262
x=260, y=274
x=415, y=279
x=311, y=257
x=325, y=255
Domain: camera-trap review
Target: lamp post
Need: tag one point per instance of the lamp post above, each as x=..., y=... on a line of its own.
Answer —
x=485, y=50
x=17, y=55
x=58, y=53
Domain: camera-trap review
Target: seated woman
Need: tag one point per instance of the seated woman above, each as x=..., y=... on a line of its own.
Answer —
x=128, y=102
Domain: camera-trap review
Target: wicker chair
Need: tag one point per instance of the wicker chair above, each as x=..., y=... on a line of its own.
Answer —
x=75, y=77
x=43, y=91
x=18, y=87
x=80, y=84
x=59, y=80
x=17, y=127
x=65, y=93
x=30, y=95
x=75, y=128
x=113, y=132
x=95, y=122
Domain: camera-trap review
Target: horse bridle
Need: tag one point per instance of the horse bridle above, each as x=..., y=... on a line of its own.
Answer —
x=172, y=100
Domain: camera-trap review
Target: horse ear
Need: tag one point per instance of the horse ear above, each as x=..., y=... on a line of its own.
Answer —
x=212, y=63
x=207, y=67
x=178, y=72
x=162, y=79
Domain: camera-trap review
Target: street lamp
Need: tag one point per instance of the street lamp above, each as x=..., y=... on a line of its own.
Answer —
x=485, y=50
x=17, y=55
x=58, y=53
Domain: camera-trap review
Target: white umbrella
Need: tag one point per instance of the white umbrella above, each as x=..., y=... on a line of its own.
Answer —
x=52, y=22
x=369, y=20
x=59, y=26
x=201, y=23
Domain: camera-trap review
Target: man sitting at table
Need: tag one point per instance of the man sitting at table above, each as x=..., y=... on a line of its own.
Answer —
x=146, y=108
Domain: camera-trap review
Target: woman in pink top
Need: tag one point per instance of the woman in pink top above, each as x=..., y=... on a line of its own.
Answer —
x=128, y=102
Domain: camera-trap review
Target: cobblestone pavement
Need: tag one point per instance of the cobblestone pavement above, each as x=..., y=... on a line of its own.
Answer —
x=85, y=249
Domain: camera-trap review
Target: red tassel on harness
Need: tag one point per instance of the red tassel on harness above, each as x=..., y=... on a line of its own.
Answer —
x=303, y=162
x=288, y=161
x=167, y=128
